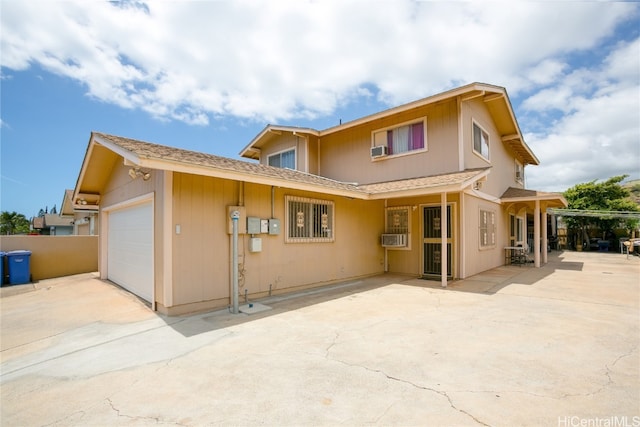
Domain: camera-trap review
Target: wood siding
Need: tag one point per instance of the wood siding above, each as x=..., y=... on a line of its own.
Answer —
x=202, y=250
x=345, y=155
x=501, y=159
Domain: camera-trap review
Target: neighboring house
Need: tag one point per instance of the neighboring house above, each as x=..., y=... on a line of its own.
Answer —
x=55, y=224
x=320, y=206
x=69, y=221
x=84, y=220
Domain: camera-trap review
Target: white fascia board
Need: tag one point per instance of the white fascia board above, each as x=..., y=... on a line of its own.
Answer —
x=126, y=154
x=418, y=103
x=83, y=170
x=274, y=128
x=416, y=192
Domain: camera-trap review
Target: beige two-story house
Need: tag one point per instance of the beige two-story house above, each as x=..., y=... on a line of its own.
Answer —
x=434, y=188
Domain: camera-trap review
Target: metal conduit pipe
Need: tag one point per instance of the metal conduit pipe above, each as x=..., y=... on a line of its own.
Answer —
x=235, y=216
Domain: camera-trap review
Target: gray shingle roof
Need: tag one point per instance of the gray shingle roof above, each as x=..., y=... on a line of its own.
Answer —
x=147, y=150
x=150, y=151
x=517, y=193
x=426, y=182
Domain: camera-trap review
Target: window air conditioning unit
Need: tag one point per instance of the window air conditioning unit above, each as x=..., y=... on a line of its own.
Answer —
x=379, y=151
x=394, y=240
x=518, y=175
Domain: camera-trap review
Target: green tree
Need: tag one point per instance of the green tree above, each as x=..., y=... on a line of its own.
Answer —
x=13, y=223
x=609, y=195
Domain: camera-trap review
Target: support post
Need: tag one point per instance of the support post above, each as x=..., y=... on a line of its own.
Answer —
x=443, y=239
x=536, y=234
x=545, y=237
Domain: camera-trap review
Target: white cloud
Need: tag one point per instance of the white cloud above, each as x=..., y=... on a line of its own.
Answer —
x=275, y=61
x=599, y=136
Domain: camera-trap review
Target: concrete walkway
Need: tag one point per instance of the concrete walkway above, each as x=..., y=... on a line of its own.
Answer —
x=512, y=346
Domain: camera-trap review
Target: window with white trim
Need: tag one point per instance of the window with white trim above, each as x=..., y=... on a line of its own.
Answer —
x=284, y=159
x=519, y=172
x=487, y=228
x=309, y=220
x=480, y=141
x=410, y=136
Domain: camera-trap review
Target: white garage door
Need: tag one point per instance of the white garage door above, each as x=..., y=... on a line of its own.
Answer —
x=130, y=249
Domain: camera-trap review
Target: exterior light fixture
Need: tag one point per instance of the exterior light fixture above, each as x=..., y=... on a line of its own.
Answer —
x=136, y=172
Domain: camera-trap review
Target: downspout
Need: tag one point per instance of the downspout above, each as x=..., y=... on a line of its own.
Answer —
x=273, y=200
x=241, y=194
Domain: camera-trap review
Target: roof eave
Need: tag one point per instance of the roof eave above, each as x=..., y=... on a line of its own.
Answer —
x=214, y=172
x=541, y=197
x=452, y=93
x=251, y=148
x=395, y=194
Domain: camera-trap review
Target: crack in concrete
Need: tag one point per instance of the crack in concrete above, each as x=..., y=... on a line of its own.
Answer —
x=333, y=343
x=607, y=373
x=420, y=387
x=433, y=390
x=131, y=417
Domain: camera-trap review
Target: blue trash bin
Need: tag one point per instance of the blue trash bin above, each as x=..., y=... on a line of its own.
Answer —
x=18, y=264
x=1, y=268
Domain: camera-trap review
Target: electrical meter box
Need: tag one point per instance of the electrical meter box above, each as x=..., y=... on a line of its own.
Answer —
x=255, y=244
x=274, y=226
x=253, y=225
x=242, y=222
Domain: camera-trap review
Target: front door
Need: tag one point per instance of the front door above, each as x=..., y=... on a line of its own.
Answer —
x=431, y=239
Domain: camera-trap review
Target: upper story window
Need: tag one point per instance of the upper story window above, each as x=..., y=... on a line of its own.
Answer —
x=519, y=172
x=480, y=141
x=283, y=159
x=402, y=139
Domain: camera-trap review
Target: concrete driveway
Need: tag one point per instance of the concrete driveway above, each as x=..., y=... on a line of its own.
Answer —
x=513, y=346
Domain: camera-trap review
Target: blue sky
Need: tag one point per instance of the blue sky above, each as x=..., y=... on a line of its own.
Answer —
x=208, y=76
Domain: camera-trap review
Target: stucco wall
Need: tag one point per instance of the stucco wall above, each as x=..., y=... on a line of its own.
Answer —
x=56, y=256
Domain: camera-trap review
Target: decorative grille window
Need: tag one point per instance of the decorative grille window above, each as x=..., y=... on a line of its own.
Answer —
x=487, y=229
x=397, y=221
x=397, y=226
x=309, y=220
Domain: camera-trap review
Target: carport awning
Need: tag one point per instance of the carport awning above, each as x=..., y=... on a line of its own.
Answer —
x=527, y=197
x=594, y=213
